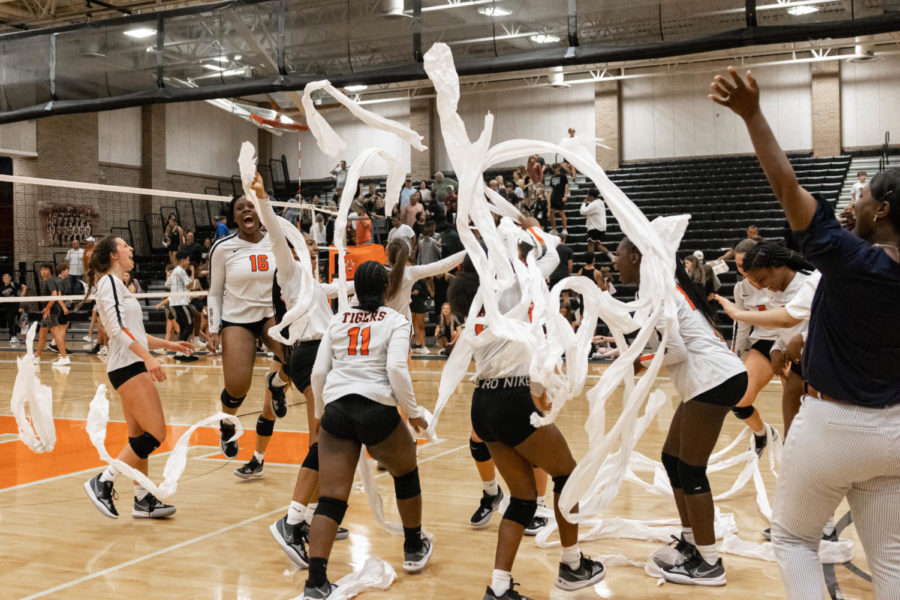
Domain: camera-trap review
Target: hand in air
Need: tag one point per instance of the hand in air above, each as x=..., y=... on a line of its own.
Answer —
x=739, y=95
x=259, y=188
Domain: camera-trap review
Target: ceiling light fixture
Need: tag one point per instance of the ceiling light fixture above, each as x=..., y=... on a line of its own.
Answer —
x=544, y=38
x=212, y=67
x=798, y=8
x=494, y=11
x=356, y=87
x=140, y=33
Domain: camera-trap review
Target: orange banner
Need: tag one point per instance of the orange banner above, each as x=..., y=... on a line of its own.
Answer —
x=355, y=256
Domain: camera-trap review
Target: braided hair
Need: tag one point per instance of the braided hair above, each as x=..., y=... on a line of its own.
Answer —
x=766, y=255
x=370, y=281
x=885, y=187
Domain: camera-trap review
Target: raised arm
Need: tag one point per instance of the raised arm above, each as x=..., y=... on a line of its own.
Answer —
x=779, y=318
x=742, y=97
x=438, y=267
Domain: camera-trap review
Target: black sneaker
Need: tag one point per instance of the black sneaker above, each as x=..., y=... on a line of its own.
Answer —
x=151, y=508
x=252, y=470
x=185, y=357
x=226, y=431
x=587, y=574
x=683, y=547
x=413, y=562
x=696, y=571
x=763, y=440
x=52, y=347
x=830, y=537
x=511, y=593
x=102, y=495
x=319, y=593
x=95, y=349
x=292, y=539
x=486, y=508
x=537, y=523
x=279, y=400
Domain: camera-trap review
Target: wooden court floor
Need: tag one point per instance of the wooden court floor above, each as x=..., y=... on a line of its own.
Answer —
x=54, y=543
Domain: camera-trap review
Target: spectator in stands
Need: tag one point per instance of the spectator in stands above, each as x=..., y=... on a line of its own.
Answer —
x=429, y=245
x=133, y=285
x=318, y=230
x=752, y=234
x=535, y=171
x=858, y=187
x=564, y=269
x=290, y=213
x=588, y=270
x=221, y=227
x=442, y=186
x=595, y=210
x=559, y=186
x=339, y=173
x=406, y=193
x=449, y=328
x=606, y=280
x=519, y=177
x=409, y=214
x=173, y=237
x=88, y=253
x=514, y=193
x=699, y=275
x=424, y=192
x=11, y=310
x=194, y=250
x=52, y=311
x=450, y=205
x=207, y=246
x=75, y=258
x=362, y=224
x=373, y=201
x=417, y=306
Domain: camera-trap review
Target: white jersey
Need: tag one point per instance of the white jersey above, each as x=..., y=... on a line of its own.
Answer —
x=122, y=318
x=179, y=283
x=365, y=353
x=802, y=288
x=747, y=297
x=241, y=275
x=595, y=213
x=696, y=358
x=413, y=273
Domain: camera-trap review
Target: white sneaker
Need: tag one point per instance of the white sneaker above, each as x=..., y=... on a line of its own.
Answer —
x=155, y=350
x=88, y=339
x=62, y=362
x=13, y=342
x=565, y=232
x=104, y=350
x=36, y=360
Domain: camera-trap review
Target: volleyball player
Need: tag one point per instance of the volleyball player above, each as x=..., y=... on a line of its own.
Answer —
x=179, y=282
x=359, y=379
x=132, y=371
x=239, y=306
x=502, y=405
x=402, y=276
x=711, y=381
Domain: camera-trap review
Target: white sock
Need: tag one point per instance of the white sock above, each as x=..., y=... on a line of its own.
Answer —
x=296, y=513
x=709, y=553
x=761, y=432
x=277, y=381
x=542, y=501
x=139, y=492
x=829, y=527
x=688, y=534
x=500, y=581
x=571, y=556
x=260, y=456
x=490, y=487
x=310, y=511
x=109, y=474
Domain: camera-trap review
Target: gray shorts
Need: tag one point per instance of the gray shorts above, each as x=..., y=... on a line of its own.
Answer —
x=51, y=321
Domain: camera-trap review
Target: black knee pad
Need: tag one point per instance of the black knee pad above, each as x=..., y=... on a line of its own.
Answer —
x=143, y=444
x=671, y=465
x=332, y=508
x=407, y=486
x=693, y=479
x=312, y=458
x=743, y=412
x=230, y=401
x=264, y=427
x=559, y=482
x=479, y=451
x=520, y=511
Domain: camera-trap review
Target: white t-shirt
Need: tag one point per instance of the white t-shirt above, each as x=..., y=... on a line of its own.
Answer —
x=858, y=187
x=595, y=213
x=122, y=318
x=799, y=306
x=76, y=264
x=365, y=353
x=240, y=289
x=747, y=297
x=179, y=283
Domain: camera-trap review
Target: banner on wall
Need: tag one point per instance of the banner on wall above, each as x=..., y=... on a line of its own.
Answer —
x=356, y=255
x=62, y=223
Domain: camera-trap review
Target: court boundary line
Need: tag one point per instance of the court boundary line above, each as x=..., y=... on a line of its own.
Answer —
x=179, y=545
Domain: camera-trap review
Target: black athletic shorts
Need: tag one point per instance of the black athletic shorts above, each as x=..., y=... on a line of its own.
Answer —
x=118, y=377
x=764, y=347
x=355, y=417
x=255, y=327
x=797, y=368
x=557, y=204
x=502, y=408
x=595, y=235
x=303, y=357
x=728, y=393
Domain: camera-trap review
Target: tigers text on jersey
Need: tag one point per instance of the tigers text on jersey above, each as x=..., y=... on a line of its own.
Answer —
x=365, y=353
x=241, y=275
x=122, y=317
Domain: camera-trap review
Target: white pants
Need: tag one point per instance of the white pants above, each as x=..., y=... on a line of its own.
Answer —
x=836, y=450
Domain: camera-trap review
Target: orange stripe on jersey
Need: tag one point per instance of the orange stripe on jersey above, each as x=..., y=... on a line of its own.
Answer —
x=691, y=304
x=128, y=333
x=479, y=328
x=760, y=307
x=536, y=235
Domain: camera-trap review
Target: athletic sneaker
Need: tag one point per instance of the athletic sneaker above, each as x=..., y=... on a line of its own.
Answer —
x=279, y=401
x=36, y=360
x=252, y=470
x=683, y=547
x=292, y=539
x=52, y=347
x=104, y=350
x=185, y=357
x=88, y=339
x=696, y=571
x=342, y=533
x=511, y=593
x=319, y=593
x=413, y=562
x=486, y=508
x=102, y=495
x=565, y=232
x=229, y=449
x=537, y=523
x=151, y=508
x=96, y=349
x=763, y=440
x=62, y=362
x=587, y=574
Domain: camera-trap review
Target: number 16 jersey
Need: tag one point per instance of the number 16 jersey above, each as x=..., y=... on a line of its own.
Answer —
x=240, y=281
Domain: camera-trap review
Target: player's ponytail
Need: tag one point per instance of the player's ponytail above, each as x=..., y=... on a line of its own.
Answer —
x=370, y=281
x=397, y=255
x=100, y=262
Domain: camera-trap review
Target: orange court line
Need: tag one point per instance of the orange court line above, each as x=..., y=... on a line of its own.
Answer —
x=74, y=452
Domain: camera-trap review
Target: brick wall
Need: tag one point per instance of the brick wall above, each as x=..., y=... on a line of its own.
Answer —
x=607, y=123
x=826, y=108
x=421, y=120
